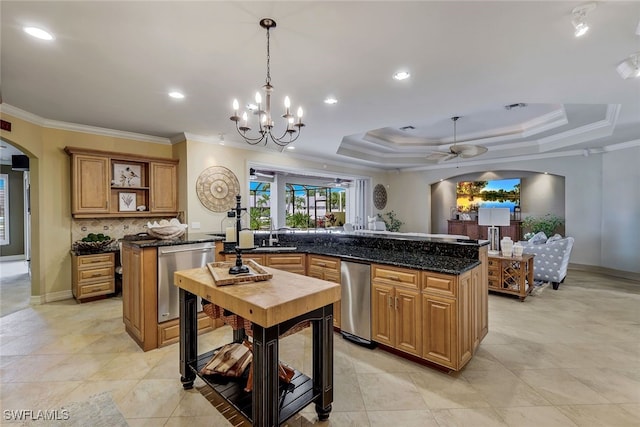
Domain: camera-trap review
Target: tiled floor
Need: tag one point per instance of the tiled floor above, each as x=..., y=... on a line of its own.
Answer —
x=563, y=358
x=15, y=286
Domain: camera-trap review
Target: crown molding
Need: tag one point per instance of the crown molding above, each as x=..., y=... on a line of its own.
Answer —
x=74, y=127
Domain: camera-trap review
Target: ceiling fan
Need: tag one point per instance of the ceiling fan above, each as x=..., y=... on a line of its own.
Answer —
x=463, y=151
x=338, y=182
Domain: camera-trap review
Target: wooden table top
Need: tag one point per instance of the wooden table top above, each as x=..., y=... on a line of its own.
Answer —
x=266, y=303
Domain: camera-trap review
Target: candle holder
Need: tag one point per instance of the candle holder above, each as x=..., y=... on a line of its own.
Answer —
x=239, y=267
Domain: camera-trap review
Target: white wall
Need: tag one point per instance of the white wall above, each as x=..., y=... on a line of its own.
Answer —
x=621, y=209
x=589, y=216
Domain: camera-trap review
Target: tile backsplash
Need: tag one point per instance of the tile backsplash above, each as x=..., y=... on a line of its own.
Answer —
x=116, y=228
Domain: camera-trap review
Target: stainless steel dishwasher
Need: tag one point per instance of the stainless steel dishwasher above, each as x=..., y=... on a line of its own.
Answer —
x=355, y=314
x=170, y=260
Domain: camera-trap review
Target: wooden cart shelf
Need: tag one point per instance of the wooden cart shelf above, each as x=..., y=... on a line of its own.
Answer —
x=292, y=397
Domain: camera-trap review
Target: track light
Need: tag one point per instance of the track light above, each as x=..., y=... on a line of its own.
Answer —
x=579, y=22
x=630, y=67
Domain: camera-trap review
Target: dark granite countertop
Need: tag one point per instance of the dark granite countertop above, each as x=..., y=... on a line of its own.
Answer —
x=147, y=241
x=438, y=255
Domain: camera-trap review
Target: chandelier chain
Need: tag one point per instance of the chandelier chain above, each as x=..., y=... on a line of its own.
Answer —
x=268, y=81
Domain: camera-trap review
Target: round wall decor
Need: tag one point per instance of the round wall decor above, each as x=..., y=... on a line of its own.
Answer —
x=379, y=197
x=217, y=188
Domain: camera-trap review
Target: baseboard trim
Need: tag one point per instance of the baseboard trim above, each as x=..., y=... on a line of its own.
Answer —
x=50, y=297
x=58, y=296
x=606, y=271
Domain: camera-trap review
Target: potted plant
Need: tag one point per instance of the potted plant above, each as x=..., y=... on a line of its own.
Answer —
x=547, y=224
x=391, y=221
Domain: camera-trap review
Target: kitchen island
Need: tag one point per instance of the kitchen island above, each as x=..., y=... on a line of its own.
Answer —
x=273, y=306
x=149, y=308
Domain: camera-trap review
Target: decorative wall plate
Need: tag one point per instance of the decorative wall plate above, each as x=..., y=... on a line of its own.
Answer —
x=379, y=197
x=217, y=188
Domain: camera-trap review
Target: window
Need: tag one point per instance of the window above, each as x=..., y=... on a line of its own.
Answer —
x=4, y=209
x=306, y=205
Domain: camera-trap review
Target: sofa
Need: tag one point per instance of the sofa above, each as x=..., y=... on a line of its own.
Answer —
x=551, y=258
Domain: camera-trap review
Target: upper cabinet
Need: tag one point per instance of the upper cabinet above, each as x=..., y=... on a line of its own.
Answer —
x=105, y=184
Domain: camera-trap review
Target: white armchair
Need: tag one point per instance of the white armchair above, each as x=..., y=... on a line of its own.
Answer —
x=551, y=260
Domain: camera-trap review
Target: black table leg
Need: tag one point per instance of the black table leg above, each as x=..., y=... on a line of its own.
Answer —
x=323, y=362
x=265, y=399
x=188, y=337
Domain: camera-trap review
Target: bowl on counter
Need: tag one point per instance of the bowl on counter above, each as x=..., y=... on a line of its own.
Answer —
x=91, y=247
x=166, y=230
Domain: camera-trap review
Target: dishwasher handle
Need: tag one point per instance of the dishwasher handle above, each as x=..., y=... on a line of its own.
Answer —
x=175, y=251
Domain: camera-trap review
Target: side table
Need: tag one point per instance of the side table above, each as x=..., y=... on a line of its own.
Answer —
x=511, y=275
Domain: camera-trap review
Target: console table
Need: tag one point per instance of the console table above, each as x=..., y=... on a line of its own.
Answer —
x=273, y=306
x=511, y=275
x=474, y=231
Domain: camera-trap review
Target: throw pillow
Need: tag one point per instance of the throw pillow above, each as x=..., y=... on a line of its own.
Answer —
x=538, y=238
x=554, y=238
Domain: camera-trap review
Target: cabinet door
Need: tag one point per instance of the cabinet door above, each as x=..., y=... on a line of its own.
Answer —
x=457, y=227
x=464, y=319
x=294, y=263
x=474, y=231
x=439, y=336
x=382, y=314
x=132, y=292
x=164, y=187
x=407, y=320
x=91, y=184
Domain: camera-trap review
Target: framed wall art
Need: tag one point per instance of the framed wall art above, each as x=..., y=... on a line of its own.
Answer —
x=127, y=202
x=126, y=175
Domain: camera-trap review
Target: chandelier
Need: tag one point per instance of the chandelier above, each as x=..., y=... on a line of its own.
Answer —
x=263, y=111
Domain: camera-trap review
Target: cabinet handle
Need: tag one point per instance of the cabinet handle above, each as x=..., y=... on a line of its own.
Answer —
x=95, y=290
x=389, y=301
x=396, y=303
x=322, y=264
x=394, y=278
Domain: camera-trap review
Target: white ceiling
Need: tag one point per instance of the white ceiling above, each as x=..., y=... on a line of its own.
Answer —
x=113, y=63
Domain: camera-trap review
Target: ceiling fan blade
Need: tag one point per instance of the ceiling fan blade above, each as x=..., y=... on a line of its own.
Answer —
x=437, y=155
x=450, y=156
x=469, y=151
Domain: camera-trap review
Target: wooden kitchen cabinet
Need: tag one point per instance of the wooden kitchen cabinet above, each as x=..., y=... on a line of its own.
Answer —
x=97, y=192
x=396, y=308
x=90, y=184
x=450, y=325
x=294, y=263
x=140, y=300
x=326, y=268
x=92, y=275
x=163, y=184
x=259, y=258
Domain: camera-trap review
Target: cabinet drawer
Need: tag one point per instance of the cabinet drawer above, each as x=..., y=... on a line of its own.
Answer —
x=494, y=283
x=95, y=273
x=395, y=276
x=94, y=289
x=287, y=262
x=439, y=283
x=91, y=261
x=494, y=263
x=331, y=264
x=493, y=273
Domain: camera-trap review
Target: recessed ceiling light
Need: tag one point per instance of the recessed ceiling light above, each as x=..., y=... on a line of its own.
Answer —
x=291, y=147
x=38, y=33
x=176, y=95
x=330, y=100
x=401, y=75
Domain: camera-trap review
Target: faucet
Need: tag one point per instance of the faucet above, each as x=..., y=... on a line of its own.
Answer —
x=272, y=240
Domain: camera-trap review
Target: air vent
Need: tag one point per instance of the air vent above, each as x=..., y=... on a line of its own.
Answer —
x=516, y=105
x=407, y=127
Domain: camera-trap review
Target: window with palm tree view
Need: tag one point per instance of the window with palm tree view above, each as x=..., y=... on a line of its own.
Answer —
x=307, y=206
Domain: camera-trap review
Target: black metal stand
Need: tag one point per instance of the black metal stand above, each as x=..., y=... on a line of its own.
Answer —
x=239, y=268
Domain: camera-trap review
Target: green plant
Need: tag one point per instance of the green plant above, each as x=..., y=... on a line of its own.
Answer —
x=391, y=221
x=547, y=224
x=298, y=220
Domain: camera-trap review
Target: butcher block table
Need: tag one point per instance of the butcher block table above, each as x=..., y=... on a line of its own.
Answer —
x=273, y=306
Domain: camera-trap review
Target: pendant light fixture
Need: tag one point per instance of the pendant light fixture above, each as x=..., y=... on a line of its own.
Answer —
x=263, y=110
